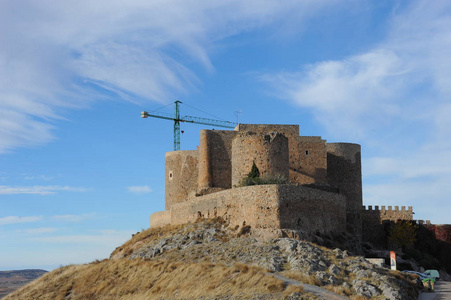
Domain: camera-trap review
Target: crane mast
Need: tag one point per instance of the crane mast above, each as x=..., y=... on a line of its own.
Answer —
x=187, y=119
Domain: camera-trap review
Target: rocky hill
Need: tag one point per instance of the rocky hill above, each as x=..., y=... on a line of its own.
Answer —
x=208, y=260
x=13, y=280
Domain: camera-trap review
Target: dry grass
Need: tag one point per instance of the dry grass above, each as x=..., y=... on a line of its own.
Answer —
x=144, y=237
x=136, y=279
x=293, y=289
x=339, y=289
x=309, y=279
x=151, y=234
x=358, y=297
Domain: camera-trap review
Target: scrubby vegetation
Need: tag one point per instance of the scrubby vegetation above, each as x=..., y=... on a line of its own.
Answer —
x=138, y=279
x=208, y=260
x=254, y=178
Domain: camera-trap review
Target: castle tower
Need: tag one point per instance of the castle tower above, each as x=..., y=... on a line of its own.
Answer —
x=344, y=171
x=181, y=175
x=269, y=152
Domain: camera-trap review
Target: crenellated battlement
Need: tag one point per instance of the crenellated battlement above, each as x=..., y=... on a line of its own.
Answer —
x=389, y=208
x=423, y=222
x=387, y=213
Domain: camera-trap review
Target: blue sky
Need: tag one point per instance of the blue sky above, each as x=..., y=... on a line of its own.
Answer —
x=80, y=171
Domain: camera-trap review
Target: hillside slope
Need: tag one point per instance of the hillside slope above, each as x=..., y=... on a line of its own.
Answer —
x=207, y=260
x=13, y=280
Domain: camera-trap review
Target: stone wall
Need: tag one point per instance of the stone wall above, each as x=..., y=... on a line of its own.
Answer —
x=311, y=209
x=202, y=181
x=308, y=160
x=441, y=232
x=307, y=154
x=215, y=163
x=181, y=175
x=265, y=207
x=388, y=213
x=344, y=170
x=269, y=151
x=287, y=130
x=373, y=222
x=160, y=218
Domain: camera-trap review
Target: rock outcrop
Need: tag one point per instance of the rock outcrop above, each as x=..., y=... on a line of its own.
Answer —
x=334, y=269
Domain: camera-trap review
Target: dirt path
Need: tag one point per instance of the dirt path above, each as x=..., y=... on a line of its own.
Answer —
x=326, y=294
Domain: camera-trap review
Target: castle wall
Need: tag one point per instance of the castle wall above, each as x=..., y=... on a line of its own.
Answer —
x=287, y=130
x=160, y=218
x=373, y=222
x=307, y=154
x=215, y=163
x=181, y=175
x=344, y=170
x=311, y=210
x=394, y=214
x=265, y=207
x=441, y=232
x=269, y=152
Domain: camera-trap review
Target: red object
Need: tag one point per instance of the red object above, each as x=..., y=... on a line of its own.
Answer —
x=393, y=260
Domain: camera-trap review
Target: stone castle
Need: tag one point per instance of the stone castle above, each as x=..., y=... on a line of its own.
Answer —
x=324, y=194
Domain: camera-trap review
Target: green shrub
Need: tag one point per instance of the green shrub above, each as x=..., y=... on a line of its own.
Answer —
x=271, y=179
x=254, y=173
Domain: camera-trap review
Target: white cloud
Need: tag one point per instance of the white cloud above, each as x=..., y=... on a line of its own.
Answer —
x=394, y=100
x=40, y=190
x=144, y=189
x=16, y=219
x=55, y=56
x=404, y=78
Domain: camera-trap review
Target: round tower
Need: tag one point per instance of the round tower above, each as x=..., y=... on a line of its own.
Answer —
x=268, y=151
x=344, y=171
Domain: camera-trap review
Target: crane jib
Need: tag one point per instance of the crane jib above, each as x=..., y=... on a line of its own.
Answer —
x=188, y=119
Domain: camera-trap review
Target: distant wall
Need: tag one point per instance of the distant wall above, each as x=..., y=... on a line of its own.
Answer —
x=265, y=207
x=373, y=222
x=389, y=213
x=441, y=232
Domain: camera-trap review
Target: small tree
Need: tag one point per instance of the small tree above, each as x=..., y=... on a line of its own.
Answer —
x=254, y=173
x=404, y=233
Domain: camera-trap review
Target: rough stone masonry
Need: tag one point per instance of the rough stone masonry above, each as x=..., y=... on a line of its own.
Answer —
x=324, y=193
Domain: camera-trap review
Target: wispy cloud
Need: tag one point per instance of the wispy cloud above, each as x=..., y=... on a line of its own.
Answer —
x=16, y=219
x=53, y=54
x=40, y=190
x=403, y=78
x=143, y=189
